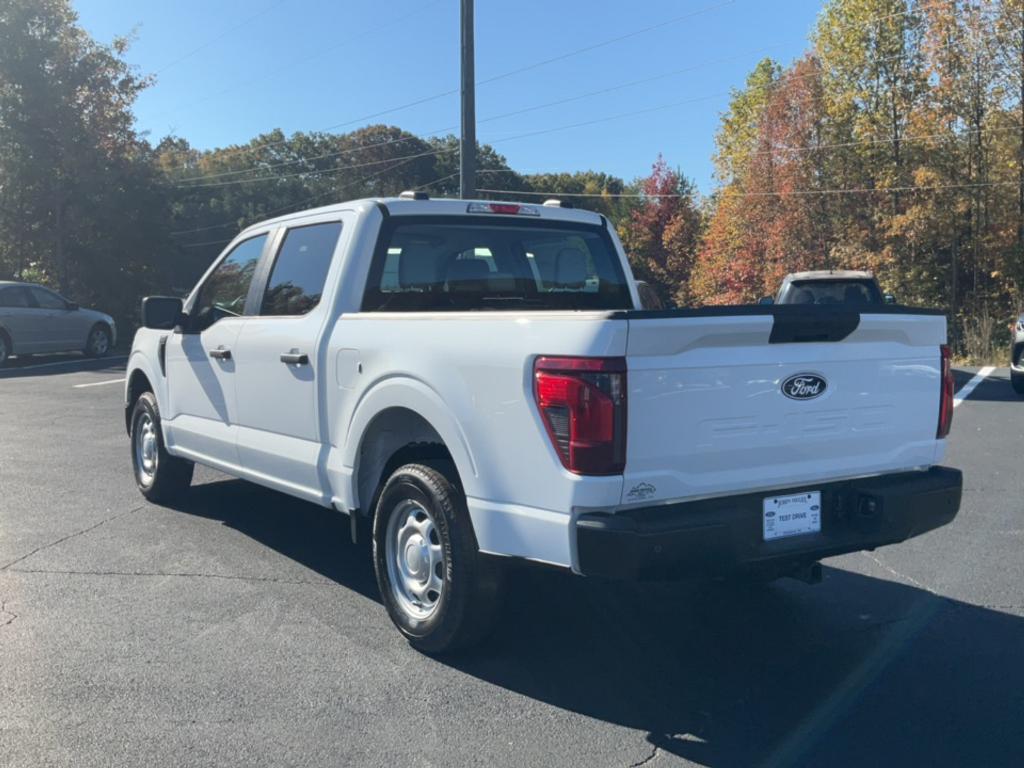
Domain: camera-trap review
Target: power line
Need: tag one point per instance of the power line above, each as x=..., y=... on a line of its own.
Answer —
x=497, y=77
x=604, y=43
x=208, y=242
x=868, y=142
x=280, y=70
x=534, y=65
x=798, y=192
x=349, y=151
x=787, y=77
x=479, y=171
x=318, y=172
x=440, y=151
x=284, y=208
x=502, y=116
x=220, y=36
x=641, y=195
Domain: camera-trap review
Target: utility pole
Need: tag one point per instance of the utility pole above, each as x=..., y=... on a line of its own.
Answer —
x=467, y=143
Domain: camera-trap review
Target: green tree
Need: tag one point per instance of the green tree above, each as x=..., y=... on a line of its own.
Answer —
x=80, y=202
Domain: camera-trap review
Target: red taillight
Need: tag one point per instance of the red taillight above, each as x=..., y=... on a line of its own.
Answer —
x=946, y=395
x=582, y=401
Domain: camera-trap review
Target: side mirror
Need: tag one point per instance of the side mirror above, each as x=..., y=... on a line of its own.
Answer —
x=71, y=306
x=162, y=313
x=766, y=300
x=889, y=298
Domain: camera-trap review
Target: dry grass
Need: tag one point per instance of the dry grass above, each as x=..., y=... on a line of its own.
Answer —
x=982, y=340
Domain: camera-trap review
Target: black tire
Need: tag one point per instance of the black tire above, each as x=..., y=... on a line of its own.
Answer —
x=467, y=604
x=170, y=477
x=5, y=348
x=1017, y=382
x=97, y=343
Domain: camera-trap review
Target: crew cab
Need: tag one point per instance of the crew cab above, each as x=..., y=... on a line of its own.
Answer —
x=475, y=381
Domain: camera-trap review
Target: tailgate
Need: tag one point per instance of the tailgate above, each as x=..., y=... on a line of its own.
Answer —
x=708, y=415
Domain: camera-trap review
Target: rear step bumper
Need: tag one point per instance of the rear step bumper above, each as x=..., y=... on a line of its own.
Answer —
x=724, y=535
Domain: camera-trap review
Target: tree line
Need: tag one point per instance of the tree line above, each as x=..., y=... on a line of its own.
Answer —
x=895, y=144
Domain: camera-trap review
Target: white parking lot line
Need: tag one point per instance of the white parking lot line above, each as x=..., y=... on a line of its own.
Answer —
x=76, y=361
x=966, y=389
x=97, y=383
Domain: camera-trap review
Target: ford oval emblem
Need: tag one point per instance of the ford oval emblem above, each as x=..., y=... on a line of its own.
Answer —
x=804, y=386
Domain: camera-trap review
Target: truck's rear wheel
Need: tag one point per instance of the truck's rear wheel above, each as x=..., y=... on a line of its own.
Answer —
x=438, y=589
x=159, y=476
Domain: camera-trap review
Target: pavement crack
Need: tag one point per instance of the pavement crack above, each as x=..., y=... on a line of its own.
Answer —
x=69, y=536
x=178, y=575
x=899, y=575
x=6, y=617
x=654, y=753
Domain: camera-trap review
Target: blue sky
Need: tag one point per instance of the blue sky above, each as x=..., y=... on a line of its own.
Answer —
x=227, y=70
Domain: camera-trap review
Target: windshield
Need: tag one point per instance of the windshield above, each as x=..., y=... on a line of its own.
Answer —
x=831, y=292
x=449, y=263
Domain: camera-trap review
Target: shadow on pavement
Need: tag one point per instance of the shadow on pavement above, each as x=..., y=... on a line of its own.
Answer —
x=26, y=366
x=318, y=538
x=788, y=674
x=856, y=671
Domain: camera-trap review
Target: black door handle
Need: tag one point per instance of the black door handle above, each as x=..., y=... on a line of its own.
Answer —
x=220, y=353
x=295, y=358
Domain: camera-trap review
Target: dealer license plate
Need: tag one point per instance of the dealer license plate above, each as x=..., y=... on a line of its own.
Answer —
x=792, y=515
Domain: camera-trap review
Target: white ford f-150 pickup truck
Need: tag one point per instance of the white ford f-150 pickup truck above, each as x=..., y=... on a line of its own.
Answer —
x=478, y=379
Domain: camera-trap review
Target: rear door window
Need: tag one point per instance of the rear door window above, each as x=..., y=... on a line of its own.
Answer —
x=300, y=271
x=461, y=263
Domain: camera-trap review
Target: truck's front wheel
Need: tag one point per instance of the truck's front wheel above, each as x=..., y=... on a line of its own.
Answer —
x=159, y=476
x=438, y=589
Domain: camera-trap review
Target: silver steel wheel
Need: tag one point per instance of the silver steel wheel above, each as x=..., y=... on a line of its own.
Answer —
x=145, y=445
x=414, y=559
x=99, y=341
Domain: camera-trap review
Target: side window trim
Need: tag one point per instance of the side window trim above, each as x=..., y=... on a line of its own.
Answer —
x=275, y=239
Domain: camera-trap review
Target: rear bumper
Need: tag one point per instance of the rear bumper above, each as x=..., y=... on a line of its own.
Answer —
x=723, y=535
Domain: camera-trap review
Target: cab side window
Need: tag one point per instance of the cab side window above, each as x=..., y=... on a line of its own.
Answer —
x=224, y=292
x=300, y=271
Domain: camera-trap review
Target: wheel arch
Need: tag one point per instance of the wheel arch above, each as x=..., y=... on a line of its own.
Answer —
x=402, y=420
x=139, y=378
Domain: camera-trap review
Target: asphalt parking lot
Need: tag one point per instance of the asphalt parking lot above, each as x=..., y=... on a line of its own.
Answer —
x=244, y=629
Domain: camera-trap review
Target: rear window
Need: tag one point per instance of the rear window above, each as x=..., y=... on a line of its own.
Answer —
x=458, y=263
x=831, y=292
